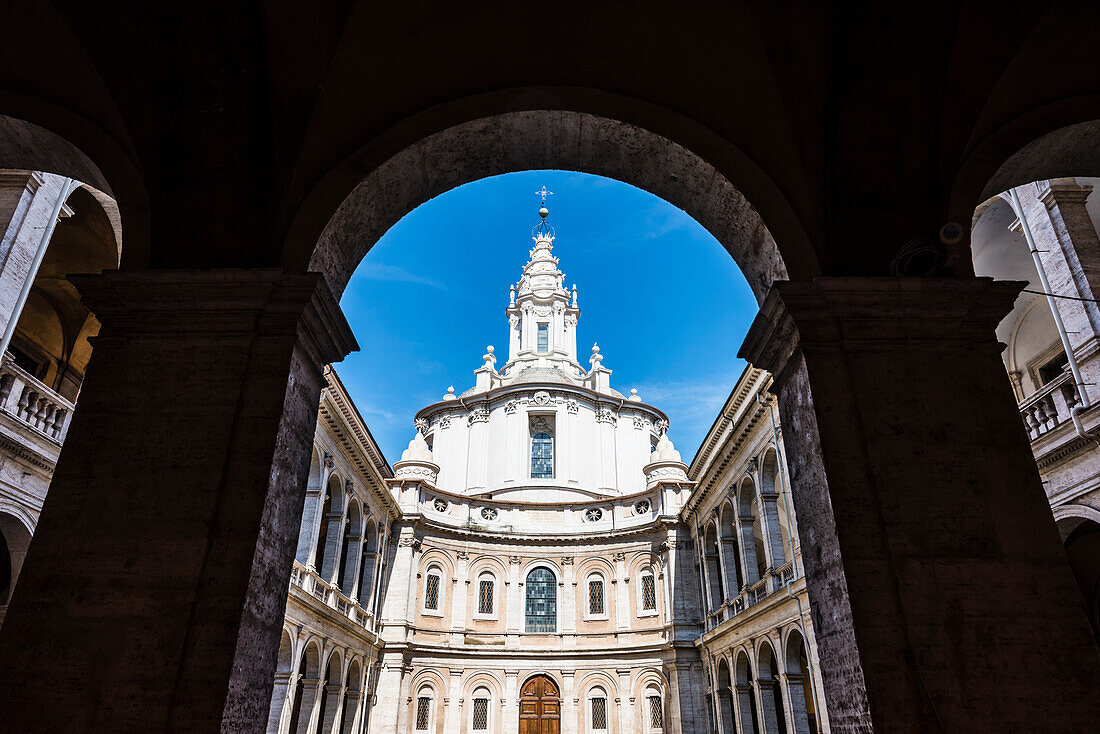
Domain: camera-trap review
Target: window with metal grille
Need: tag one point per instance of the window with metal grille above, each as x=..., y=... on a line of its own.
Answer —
x=431, y=591
x=599, y=713
x=595, y=596
x=542, y=601
x=423, y=707
x=542, y=456
x=656, y=713
x=649, y=592
x=485, y=597
x=544, y=338
x=481, y=714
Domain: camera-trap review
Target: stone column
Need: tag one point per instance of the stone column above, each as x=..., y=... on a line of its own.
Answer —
x=27, y=202
x=940, y=591
x=750, y=564
x=175, y=505
x=310, y=518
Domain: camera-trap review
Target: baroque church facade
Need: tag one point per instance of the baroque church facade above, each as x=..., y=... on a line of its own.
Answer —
x=540, y=559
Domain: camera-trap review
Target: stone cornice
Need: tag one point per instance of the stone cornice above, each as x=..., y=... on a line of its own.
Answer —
x=221, y=303
x=875, y=314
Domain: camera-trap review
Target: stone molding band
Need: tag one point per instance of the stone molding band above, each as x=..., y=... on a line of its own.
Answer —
x=221, y=303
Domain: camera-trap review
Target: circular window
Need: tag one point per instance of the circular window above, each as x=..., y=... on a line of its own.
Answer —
x=489, y=513
x=440, y=504
x=593, y=514
x=641, y=507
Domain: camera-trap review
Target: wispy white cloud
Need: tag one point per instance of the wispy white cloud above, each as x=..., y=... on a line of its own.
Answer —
x=396, y=273
x=691, y=405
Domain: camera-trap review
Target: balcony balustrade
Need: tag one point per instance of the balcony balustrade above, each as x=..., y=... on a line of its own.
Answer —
x=1049, y=407
x=31, y=402
x=328, y=594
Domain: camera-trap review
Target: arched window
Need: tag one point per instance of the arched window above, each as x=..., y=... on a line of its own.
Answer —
x=647, y=592
x=432, y=584
x=424, y=708
x=542, y=601
x=486, y=588
x=542, y=456
x=479, y=712
x=655, y=710
x=597, y=710
x=597, y=602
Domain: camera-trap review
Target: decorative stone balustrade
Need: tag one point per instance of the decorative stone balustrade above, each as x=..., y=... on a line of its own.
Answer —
x=1049, y=407
x=32, y=402
x=309, y=582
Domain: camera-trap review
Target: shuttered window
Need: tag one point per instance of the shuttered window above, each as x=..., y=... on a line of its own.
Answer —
x=656, y=713
x=423, y=706
x=599, y=714
x=649, y=592
x=481, y=714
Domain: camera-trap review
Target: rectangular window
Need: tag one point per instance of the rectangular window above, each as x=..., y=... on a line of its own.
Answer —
x=544, y=338
x=595, y=597
x=423, y=705
x=485, y=597
x=649, y=592
x=656, y=715
x=542, y=456
x=599, y=714
x=481, y=714
x=431, y=592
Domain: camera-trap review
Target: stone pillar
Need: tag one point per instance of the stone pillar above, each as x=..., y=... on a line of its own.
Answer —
x=625, y=701
x=310, y=518
x=27, y=202
x=352, y=712
x=940, y=591
x=746, y=702
x=334, y=704
x=391, y=691
x=751, y=565
x=794, y=705
x=511, y=700
x=569, y=601
x=453, y=702
x=279, y=698
x=515, y=613
x=310, y=701
x=568, y=704
x=460, y=594
x=620, y=586
x=175, y=505
x=766, y=708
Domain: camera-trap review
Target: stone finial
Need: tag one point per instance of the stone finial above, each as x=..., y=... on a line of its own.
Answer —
x=512, y=295
x=418, y=449
x=450, y=393
x=666, y=451
x=574, y=295
x=488, y=357
x=596, y=357
x=634, y=395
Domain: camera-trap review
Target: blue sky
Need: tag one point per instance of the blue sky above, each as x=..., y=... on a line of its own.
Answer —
x=666, y=303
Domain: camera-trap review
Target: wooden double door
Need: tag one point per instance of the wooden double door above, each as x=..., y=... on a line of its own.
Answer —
x=539, y=707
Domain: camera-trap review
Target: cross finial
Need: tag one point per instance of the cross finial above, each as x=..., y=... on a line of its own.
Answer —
x=544, y=193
